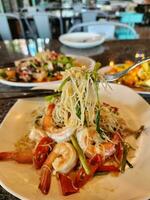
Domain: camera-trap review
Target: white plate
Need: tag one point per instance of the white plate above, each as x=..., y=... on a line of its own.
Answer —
x=88, y=62
x=22, y=180
x=105, y=69
x=82, y=39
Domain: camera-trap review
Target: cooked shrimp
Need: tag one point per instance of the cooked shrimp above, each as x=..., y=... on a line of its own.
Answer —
x=63, y=158
x=36, y=134
x=36, y=156
x=57, y=134
x=20, y=157
x=47, y=120
x=91, y=143
x=40, y=153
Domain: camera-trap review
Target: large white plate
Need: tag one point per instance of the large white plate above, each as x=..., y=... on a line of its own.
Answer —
x=88, y=62
x=82, y=39
x=22, y=180
x=139, y=90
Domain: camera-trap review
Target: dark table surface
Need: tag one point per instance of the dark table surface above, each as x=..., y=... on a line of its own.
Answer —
x=117, y=51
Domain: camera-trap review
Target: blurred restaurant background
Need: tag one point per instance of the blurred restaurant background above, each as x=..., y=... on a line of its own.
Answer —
x=26, y=18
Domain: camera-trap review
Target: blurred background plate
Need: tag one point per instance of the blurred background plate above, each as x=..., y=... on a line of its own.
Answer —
x=82, y=39
x=82, y=60
x=140, y=89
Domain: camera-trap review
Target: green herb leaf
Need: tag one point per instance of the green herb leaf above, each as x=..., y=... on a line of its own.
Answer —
x=97, y=66
x=33, y=65
x=81, y=155
x=63, y=83
x=78, y=110
x=129, y=164
x=51, y=98
x=97, y=122
x=95, y=71
x=124, y=158
x=139, y=131
x=101, y=173
x=3, y=74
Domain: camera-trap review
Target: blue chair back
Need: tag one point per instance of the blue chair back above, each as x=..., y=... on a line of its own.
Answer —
x=131, y=18
x=89, y=16
x=5, y=31
x=106, y=28
x=4, y=28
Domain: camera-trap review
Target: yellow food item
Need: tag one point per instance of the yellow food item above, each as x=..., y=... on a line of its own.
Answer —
x=137, y=77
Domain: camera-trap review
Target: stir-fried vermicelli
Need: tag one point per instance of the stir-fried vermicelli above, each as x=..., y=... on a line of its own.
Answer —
x=79, y=102
x=78, y=136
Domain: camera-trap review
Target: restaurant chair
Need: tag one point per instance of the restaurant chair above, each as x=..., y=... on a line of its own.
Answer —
x=43, y=24
x=131, y=19
x=89, y=16
x=106, y=28
x=77, y=8
x=30, y=9
x=5, y=30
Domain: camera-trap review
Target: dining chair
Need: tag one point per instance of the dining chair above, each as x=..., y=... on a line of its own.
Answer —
x=130, y=18
x=5, y=30
x=77, y=8
x=43, y=24
x=29, y=9
x=89, y=16
x=103, y=27
x=92, y=15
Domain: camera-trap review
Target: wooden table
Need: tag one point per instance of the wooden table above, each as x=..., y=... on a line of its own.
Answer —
x=117, y=51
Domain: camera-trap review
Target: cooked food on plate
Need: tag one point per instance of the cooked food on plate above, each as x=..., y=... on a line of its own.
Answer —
x=45, y=66
x=140, y=76
x=76, y=136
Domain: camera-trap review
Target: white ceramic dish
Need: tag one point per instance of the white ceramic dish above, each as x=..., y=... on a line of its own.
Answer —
x=82, y=39
x=22, y=180
x=88, y=62
x=139, y=90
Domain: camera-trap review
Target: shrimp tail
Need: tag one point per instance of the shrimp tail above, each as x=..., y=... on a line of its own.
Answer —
x=41, y=152
x=45, y=180
x=6, y=155
x=20, y=157
x=47, y=121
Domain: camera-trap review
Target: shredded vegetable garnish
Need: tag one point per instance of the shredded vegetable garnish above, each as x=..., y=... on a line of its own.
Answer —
x=79, y=100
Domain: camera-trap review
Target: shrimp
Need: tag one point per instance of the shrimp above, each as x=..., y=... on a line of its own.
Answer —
x=57, y=134
x=36, y=134
x=36, y=156
x=91, y=143
x=63, y=158
x=40, y=153
x=47, y=120
x=20, y=157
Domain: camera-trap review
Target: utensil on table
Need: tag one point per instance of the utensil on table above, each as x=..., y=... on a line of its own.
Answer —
x=114, y=77
x=8, y=65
